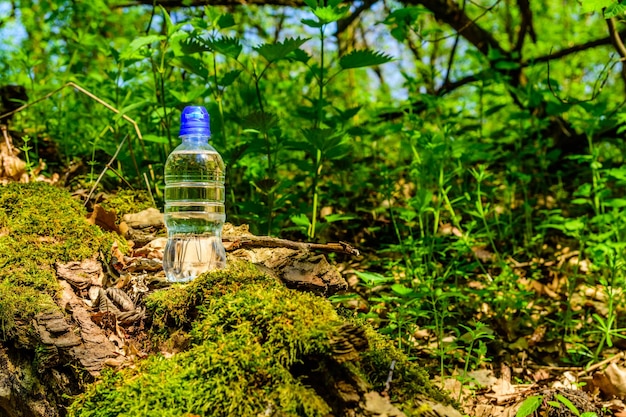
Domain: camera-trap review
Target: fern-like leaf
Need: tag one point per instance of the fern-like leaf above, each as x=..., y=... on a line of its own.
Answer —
x=194, y=44
x=363, y=58
x=280, y=50
x=231, y=47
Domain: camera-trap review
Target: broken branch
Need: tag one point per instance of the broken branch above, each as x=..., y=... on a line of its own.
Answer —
x=232, y=243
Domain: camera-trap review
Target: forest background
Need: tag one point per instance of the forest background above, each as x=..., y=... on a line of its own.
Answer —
x=471, y=149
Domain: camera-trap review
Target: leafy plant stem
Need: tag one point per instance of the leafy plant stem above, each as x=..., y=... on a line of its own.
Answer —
x=318, y=155
x=480, y=176
x=318, y=170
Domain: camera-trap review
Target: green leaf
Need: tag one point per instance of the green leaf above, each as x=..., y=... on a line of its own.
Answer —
x=193, y=44
x=155, y=139
x=187, y=96
x=339, y=151
x=568, y=404
x=312, y=3
x=506, y=65
x=228, y=78
x=300, y=56
x=595, y=5
x=312, y=23
x=615, y=9
x=230, y=47
x=300, y=220
x=348, y=113
x=317, y=137
x=226, y=21
x=401, y=290
x=330, y=14
x=192, y=65
x=131, y=50
x=363, y=58
x=529, y=406
x=574, y=225
x=495, y=109
x=280, y=50
x=261, y=121
x=373, y=278
x=168, y=21
x=338, y=218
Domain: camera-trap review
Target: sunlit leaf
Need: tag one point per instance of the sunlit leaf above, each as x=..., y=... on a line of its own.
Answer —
x=138, y=43
x=373, y=278
x=401, y=289
x=363, y=58
x=168, y=21
x=300, y=220
x=330, y=14
x=529, y=406
x=595, y=5
x=155, y=139
x=615, y=9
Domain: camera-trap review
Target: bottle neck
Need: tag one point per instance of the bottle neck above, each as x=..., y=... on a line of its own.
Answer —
x=195, y=138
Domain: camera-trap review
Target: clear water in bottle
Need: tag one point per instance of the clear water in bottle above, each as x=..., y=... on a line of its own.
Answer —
x=194, y=208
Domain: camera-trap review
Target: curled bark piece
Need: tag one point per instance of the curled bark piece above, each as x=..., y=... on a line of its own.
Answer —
x=120, y=298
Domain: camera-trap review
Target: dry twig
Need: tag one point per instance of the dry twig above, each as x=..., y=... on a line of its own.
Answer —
x=250, y=241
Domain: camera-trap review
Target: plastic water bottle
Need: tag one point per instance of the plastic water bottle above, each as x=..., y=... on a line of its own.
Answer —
x=194, y=201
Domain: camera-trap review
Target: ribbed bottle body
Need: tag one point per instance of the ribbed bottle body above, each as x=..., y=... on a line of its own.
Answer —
x=194, y=210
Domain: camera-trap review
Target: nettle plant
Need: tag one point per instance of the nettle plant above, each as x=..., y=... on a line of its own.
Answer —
x=278, y=153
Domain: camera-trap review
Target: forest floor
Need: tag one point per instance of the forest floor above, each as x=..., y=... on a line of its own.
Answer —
x=525, y=369
x=523, y=378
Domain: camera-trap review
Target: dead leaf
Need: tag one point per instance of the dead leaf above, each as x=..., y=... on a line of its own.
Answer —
x=376, y=404
x=153, y=250
x=483, y=254
x=104, y=218
x=537, y=335
x=483, y=377
x=11, y=167
x=611, y=382
x=146, y=218
x=541, y=375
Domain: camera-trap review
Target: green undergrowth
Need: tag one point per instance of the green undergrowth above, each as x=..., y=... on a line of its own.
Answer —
x=253, y=347
x=39, y=225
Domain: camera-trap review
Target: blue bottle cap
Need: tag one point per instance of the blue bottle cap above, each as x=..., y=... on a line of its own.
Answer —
x=195, y=121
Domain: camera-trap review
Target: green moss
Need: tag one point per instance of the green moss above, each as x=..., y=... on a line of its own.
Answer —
x=39, y=226
x=250, y=338
x=128, y=201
